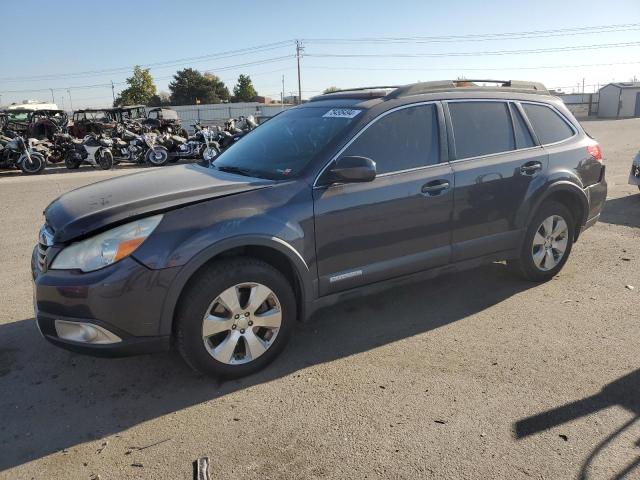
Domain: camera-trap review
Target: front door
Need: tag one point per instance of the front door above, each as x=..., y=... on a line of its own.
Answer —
x=637, y=109
x=400, y=222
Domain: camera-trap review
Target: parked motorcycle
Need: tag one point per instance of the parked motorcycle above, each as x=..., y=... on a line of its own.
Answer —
x=201, y=144
x=17, y=152
x=74, y=151
x=127, y=146
x=232, y=131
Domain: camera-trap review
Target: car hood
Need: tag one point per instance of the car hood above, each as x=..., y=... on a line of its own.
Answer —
x=87, y=209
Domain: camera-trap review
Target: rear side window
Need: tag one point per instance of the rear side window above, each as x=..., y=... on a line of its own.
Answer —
x=481, y=128
x=523, y=136
x=548, y=125
x=407, y=138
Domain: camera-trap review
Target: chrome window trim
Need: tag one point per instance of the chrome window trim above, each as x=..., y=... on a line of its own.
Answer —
x=363, y=129
x=515, y=101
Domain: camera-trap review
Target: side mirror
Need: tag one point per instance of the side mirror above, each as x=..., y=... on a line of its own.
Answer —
x=353, y=170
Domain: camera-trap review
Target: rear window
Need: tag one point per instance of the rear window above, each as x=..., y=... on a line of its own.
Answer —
x=548, y=125
x=481, y=128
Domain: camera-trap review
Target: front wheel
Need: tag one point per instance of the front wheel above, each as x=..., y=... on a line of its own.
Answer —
x=104, y=159
x=157, y=156
x=37, y=164
x=209, y=154
x=547, y=243
x=235, y=318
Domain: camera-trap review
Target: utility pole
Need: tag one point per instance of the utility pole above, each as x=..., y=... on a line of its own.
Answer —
x=113, y=92
x=281, y=95
x=53, y=100
x=299, y=49
x=70, y=101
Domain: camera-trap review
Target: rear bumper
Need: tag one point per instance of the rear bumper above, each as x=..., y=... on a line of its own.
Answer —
x=597, y=195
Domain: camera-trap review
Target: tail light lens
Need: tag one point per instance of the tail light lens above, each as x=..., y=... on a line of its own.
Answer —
x=595, y=151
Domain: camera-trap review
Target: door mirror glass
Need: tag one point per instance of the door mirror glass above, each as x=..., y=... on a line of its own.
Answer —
x=352, y=169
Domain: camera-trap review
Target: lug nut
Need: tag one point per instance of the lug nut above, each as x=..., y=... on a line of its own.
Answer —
x=246, y=314
x=250, y=323
x=233, y=327
x=237, y=316
x=242, y=330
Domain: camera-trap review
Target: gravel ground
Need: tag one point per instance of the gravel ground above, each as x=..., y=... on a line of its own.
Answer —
x=472, y=375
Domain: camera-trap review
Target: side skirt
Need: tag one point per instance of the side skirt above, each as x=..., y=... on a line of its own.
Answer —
x=371, y=289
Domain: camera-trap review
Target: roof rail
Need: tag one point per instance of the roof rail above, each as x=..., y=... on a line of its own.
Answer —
x=360, y=92
x=429, y=87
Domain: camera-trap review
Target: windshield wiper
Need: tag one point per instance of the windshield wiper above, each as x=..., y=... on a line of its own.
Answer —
x=232, y=169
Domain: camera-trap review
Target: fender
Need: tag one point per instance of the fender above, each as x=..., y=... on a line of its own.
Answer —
x=563, y=185
x=177, y=285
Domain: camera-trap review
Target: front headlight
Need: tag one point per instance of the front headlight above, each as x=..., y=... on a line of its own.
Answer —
x=106, y=248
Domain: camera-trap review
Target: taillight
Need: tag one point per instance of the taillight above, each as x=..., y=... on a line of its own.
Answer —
x=595, y=151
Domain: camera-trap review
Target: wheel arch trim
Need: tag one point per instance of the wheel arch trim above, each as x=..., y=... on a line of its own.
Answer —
x=300, y=268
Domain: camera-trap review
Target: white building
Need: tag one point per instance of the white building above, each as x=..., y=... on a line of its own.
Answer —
x=619, y=100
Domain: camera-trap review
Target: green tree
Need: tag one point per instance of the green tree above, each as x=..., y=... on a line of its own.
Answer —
x=244, y=91
x=141, y=88
x=330, y=89
x=189, y=86
x=162, y=99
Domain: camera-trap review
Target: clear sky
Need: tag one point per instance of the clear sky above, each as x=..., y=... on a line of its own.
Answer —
x=73, y=43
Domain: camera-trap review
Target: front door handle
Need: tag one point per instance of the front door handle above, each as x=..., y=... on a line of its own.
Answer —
x=530, y=168
x=435, y=188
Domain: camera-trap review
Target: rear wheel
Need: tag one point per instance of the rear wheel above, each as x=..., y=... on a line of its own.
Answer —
x=104, y=159
x=157, y=156
x=235, y=318
x=37, y=164
x=547, y=243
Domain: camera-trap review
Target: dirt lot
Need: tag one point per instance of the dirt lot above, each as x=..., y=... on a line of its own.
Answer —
x=474, y=375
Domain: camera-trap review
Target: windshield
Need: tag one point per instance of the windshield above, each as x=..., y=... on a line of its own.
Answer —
x=283, y=146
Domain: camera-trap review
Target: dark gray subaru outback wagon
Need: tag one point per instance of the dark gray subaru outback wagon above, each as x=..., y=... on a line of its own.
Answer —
x=350, y=192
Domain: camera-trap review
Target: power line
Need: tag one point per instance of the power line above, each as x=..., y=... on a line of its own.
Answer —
x=165, y=64
x=477, y=53
x=460, y=68
x=484, y=36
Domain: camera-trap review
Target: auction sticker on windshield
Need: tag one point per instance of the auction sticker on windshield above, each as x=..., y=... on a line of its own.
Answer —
x=341, y=113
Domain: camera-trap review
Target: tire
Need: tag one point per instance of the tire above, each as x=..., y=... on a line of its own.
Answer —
x=37, y=165
x=215, y=355
x=537, y=263
x=158, y=156
x=70, y=162
x=210, y=154
x=104, y=159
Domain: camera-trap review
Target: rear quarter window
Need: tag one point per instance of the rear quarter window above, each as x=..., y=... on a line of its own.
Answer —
x=549, y=126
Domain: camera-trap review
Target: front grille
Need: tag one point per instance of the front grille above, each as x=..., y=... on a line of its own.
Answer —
x=45, y=240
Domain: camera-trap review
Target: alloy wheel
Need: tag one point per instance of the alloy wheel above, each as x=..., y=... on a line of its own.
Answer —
x=241, y=323
x=550, y=242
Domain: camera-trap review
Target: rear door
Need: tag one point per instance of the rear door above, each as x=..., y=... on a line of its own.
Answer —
x=400, y=222
x=495, y=159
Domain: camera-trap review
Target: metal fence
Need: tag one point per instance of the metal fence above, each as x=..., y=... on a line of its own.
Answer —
x=582, y=105
x=217, y=114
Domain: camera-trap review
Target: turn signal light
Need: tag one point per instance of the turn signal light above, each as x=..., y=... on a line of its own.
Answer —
x=595, y=151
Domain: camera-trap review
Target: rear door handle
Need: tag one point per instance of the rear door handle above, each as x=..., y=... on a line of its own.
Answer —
x=530, y=168
x=435, y=187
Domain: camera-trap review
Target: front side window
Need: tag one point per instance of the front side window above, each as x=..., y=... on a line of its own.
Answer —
x=404, y=139
x=481, y=128
x=548, y=125
x=282, y=147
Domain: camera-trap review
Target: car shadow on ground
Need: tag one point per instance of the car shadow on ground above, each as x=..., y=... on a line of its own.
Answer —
x=52, y=399
x=623, y=392
x=622, y=211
